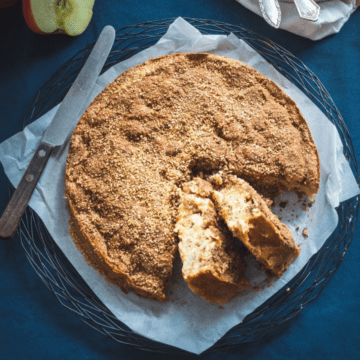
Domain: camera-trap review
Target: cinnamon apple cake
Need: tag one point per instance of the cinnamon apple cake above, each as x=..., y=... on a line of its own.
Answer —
x=158, y=126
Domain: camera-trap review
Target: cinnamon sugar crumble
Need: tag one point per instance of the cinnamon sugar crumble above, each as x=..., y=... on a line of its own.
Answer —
x=156, y=127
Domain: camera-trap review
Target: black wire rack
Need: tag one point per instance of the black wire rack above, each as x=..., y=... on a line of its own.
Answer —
x=70, y=289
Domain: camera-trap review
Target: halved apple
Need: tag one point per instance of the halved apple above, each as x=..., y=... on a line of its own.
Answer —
x=58, y=16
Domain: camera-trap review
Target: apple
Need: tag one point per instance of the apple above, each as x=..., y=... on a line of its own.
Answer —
x=58, y=16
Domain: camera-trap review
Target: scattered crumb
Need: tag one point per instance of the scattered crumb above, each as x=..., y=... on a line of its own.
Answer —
x=262, y=267
x=183, y=303
x=310, y=204
x=283, y=204
x=256, y=288
x=176, y=284
x=305, y=233
x=269, y=275
x=221, y=308
x=297, y=229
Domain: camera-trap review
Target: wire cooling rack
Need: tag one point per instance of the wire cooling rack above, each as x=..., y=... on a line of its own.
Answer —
x=70, y=289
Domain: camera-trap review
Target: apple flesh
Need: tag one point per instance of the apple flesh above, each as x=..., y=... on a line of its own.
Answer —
x=58, y=16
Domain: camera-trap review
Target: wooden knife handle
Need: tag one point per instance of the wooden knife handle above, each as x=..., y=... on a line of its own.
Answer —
x=21, y=197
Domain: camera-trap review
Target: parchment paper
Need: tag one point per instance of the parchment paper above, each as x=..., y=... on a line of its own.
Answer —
x=187, y=321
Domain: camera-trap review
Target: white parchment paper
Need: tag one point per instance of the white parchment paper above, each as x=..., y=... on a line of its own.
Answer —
x=187, y=321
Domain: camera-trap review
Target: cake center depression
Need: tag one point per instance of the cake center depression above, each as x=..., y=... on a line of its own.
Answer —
x=156, y=127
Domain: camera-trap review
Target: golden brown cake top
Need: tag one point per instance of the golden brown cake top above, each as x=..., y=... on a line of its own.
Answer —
x=160, y=124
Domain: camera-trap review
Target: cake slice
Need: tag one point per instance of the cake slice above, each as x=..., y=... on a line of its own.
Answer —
x=250, y=220
x=213, y=265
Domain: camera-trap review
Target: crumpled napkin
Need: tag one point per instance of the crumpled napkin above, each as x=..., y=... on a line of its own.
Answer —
x=333, y=15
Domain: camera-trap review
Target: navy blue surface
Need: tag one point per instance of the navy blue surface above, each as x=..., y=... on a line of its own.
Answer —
x=33, y=325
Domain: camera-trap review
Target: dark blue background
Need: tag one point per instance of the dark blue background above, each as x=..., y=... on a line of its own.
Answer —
x=33, y=325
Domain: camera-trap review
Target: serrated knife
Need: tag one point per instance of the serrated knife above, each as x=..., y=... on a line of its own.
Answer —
x=58, y=131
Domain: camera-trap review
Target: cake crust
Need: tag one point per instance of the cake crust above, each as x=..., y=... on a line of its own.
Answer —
x=157, y=126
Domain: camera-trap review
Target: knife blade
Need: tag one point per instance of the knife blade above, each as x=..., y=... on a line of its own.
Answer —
x=58, y=131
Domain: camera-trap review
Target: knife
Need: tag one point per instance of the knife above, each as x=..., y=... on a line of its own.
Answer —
x=58, y=131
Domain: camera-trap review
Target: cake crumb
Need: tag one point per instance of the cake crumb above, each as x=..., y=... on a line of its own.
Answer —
x=305, y=233
x=176, y=284
x=297, y=229
x=183, y=303
x=256, y=288
x=269, y=276
x=221, y=308
x=283, y=204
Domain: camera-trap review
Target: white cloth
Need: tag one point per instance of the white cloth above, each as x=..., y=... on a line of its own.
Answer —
x=333, y=15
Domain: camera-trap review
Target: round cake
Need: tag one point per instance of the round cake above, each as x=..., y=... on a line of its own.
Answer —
x=160, y=125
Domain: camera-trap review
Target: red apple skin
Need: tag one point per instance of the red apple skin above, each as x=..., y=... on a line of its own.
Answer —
x=30, y=20
x=29, y=17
